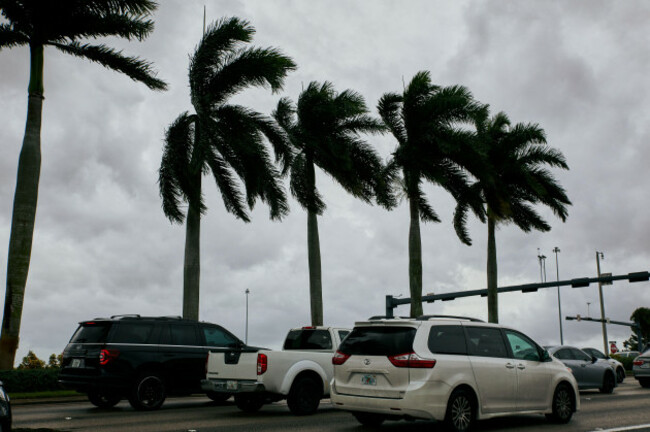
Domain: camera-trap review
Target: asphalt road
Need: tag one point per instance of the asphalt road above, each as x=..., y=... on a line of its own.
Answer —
x=627, y=409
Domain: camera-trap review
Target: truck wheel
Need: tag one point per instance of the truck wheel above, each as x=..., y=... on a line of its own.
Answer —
x=248, y=403
x=304, y=396
x=148, y=392
x=218, y=396
x=103, y=399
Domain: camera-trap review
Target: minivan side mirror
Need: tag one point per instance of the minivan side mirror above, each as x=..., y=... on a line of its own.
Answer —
x=546, y=357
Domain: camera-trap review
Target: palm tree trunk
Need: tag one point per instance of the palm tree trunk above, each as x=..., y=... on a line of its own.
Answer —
x=415, y=260
x=192, y=266
x=24, y=213
x=492, y=295
x=315, y=280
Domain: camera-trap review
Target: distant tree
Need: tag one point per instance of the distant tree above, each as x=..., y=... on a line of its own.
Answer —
x=432, y=146
x=55, y=361
x=324, y=130
x=514, y=180
x=224, y=139
x=30, y=361
x=642, y=317
x=61, y=24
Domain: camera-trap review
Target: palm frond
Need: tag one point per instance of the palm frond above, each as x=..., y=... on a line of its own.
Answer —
x=88, y=24
x=9, y=37
x=233, y=199
x=133, y=67
x=389, y=106
x=309, y=198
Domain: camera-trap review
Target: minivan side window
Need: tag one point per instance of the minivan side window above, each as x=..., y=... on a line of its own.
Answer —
x=486, y=342
x=448, y=339
x=522, y=347
x=214, y=336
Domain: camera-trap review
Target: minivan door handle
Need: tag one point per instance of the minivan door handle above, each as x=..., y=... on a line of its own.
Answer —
x=521, y=366
x=510, y=365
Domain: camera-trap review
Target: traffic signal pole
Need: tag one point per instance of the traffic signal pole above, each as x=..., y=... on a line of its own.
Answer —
x=634, y=325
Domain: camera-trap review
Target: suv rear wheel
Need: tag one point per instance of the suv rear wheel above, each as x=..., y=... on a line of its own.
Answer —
x=304, y=396
x=148, y=392
x=461, y=411
x=103, y=399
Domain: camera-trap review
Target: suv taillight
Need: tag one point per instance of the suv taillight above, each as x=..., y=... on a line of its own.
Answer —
x=638, y=362
x=339, y=358
x=411, y=360
x=262, y=363
x=106, y=356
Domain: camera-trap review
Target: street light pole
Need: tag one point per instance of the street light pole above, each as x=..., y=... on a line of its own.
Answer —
x=542, y=266
x=600, y=255
x=559, y=303
x=247, y=292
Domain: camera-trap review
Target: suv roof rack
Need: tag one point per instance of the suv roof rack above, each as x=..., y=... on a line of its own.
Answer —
x=427, y=317
x=385, y=317
x=125, y=316
x=138, y=316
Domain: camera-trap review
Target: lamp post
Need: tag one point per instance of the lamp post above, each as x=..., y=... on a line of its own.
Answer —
x=588, y=315
x=599, y=256
x=542, y=266
x=246, y=338
x=559, y=303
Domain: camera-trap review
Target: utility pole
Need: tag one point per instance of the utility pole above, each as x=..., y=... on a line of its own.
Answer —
x=246, y=339
x=559, y=303
x=599, y=256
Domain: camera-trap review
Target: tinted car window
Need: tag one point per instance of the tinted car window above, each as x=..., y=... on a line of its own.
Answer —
x=564, y=354
x=308, y=339
x=214, y=336
x=522, y=347
x=580, y=355
x=184, y=335
x=132, y=333
x=595, y=353
x=486, y=342
x=343, y=334
x=380, y=341
x=91, y=333
x=447, y=340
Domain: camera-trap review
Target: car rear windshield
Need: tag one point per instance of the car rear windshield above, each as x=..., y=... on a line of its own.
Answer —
x=301, y=339
x=379, y=341
x=91, y=332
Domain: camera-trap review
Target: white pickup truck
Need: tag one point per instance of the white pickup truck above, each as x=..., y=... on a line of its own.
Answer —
x=300, y=373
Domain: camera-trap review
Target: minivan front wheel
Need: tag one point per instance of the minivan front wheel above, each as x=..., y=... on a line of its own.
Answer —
x=461, y=411
x=562, y=404
x=103, y=399
x=148, y=392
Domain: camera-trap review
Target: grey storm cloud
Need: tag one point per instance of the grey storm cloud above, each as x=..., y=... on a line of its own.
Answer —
x=102, y=245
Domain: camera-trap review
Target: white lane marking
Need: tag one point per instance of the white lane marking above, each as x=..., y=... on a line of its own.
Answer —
x=625, y=428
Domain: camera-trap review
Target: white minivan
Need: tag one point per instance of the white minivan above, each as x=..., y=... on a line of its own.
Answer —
x=452, y=369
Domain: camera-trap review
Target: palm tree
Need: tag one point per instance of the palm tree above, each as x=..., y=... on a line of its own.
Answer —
x=61, y=24
x=516, y=181
x=432, y=146
x=324, y=130
x=224, y=139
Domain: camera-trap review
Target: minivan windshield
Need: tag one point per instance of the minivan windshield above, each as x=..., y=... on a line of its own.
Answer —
x=91, y=332
x=379, y=341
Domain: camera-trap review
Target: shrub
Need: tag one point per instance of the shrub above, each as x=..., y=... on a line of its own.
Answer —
x=30, y=380
x=627, y=361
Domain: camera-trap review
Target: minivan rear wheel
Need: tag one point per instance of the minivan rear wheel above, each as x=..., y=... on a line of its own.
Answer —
x=369, y=419
x=461, y=411
x=148, y=392
x=103, y=399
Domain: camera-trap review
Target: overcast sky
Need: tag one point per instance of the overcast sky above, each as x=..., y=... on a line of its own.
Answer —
x=102, y=245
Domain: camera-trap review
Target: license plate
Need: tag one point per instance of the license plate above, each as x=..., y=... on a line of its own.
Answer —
x=369, y=380
x=76, y=363
x=231, y=385
x=645, y=366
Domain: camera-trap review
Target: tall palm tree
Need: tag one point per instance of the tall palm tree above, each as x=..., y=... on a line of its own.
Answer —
x=324, y=130
x=516, y=181
x=432, y=145
x=62, y=24
x=224, y=139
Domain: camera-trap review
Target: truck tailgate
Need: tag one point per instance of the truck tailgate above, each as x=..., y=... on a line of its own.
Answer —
x=232, y=365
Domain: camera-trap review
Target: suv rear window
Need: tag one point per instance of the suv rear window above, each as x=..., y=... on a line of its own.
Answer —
x=379, y=341
x=91, y=332
x=308, y=339
x=449, y=339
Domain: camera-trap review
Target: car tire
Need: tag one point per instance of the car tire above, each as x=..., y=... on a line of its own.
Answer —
x=609, y=382
x=148, y=392
x=562, y=405
x=645, y=382
x=218, y=396
x=620, y=375
x=461, y=411
x=104, y=399
x=369, y=419
x=249, y=403
x=304, y=396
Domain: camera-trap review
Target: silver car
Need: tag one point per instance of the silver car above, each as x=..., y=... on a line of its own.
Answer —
x=587, y=370
x=617, y=365
x=641, y=369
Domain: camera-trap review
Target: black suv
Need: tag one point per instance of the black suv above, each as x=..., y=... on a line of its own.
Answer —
x=141, y=358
